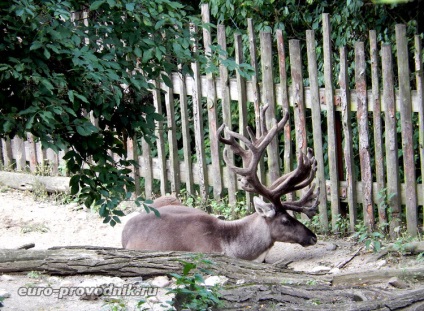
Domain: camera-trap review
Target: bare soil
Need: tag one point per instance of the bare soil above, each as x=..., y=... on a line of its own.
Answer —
x=46, y=223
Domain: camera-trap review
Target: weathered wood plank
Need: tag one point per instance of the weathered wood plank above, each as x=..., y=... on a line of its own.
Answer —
x=268, y=98
x=160, y=142
x=32, y=153
x=419, y=80
x=132, y=154
x=185, y=130
x=7, y=153
x=227, y=115
x=316, y=126
x=250, y=96
x=146, y=170
x=174, y=175
x=377, y=126
x=348, y=140
x=406, y=129
x=19, y=152
x=329, y=101
x=391, y=143
x=363, y=131
x=211, y=106
x=298, y=101
x=242, y=102
x=255, y=90
x=202, y=173
x=285, y=104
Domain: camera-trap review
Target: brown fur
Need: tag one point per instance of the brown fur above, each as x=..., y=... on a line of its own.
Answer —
x=181, y=228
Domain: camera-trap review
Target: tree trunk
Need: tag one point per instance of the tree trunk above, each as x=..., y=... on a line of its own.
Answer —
x=254, y=285
x=22, y=181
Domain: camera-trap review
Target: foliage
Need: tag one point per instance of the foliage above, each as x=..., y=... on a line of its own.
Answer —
x=350, y=21
x=372, y=240
x=114, y=304
x=60, y=60
x=190, y=292
x=218, y=207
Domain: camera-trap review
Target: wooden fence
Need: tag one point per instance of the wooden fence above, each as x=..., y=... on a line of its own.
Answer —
x=375, y=122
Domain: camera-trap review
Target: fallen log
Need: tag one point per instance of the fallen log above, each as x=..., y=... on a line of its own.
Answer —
x=255, y=286
x=22, y=181
x=76, y=260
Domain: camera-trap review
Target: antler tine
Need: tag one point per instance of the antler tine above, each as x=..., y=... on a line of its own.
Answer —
x=307, y=204
x=297, y=179
x=301, y=177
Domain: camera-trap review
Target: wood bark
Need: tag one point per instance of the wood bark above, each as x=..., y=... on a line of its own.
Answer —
x=251, y=285
x=22, y=181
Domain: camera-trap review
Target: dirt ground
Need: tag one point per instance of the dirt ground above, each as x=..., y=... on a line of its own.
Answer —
x=47, y=223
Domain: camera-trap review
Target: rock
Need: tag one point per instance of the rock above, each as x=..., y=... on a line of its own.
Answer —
x=53, y=279
x=216, y=280
x=66, y=283
x=381, y=263
x=395, y=282
x=320, y=269
x=160, y=281
x=4, y=293
x=331, y=247
x=335, y=271
x=6, y=278
x=106, y=280
x=240, y=282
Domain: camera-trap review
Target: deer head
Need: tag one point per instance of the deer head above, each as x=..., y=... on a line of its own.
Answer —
x=286, y=228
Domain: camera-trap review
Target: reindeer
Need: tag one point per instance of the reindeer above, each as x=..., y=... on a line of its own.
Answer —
x=181, y=228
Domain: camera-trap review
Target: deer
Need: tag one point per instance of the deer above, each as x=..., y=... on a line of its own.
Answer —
x=182, y=228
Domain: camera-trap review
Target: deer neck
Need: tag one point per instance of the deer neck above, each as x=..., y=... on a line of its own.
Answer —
x=247, y=238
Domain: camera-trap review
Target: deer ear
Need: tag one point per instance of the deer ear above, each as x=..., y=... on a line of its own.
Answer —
x=264, y=209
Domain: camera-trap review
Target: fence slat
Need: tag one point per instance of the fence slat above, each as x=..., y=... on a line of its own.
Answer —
x=348, y=139
x=316, y=126
x=298, y=100
x=7, y=153
x=364, y=145
x=19, y=147
x=174, y=167
x=419, y=79
x=393, y=186
x=185, y=130
x=147, y=169
x=329, y=101
x=160, y=143
x=202, y=173
x=406, y=129
x=378, y=133
x=230, y=176
x=287, y=153
x=211, y=106
x=242, y=101
x=32, y=153
x=255, y=89
x=268, y=98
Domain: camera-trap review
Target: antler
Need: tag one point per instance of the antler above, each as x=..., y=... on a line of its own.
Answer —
x=301, y=177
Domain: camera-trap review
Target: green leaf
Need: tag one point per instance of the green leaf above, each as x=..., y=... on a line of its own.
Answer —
x=96, y=4
x=130, y=6
x=71, y=96
x=46, y=53
x=81, y=97
x=35, y=45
